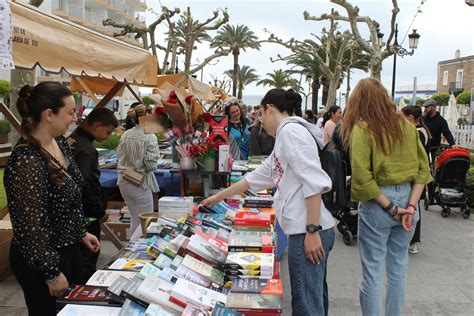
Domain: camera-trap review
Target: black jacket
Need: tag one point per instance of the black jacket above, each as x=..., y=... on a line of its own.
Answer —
x=437, y=126
x=260, y=144
x=87, y=158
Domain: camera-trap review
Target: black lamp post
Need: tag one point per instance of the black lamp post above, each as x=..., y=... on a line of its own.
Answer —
x=413, y=39
x=176, y=70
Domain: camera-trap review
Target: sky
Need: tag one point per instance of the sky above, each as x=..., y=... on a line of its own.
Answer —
x=444, y=26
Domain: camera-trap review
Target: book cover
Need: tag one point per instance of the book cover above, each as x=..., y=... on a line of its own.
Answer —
x=162, y=261
x=134, y=255
x=167, y=273
x=252, y=219
x=157, y=247
x=258, y=286
x=242, y=272
x=155, y=290
x=157, y=310
x=250, y=261
x=193, y=310
x=86, y=310
x=176, y=262
x=107, y=277
x=149, y=269
x=203, y=248
x=250, y=241
x=87, y=295
x=116, y=288
x=218, y=127
x=197, y=294
x=216, y=242
x=254, y=302
x=221, y=310
x=132, y=308
x=190, y=275
x=207, y=271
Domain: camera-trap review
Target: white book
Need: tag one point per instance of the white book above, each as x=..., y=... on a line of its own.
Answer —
x=88, y=310
x=197, y=294
x=149, y=269
x=155, y=290
x=157, y=310
x=107, y=277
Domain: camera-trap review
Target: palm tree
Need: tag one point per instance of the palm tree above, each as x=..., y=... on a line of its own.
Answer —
x=245, y=76
x=280, y=79
x=235, y=38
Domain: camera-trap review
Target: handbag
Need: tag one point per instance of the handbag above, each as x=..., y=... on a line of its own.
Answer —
x=133, y=177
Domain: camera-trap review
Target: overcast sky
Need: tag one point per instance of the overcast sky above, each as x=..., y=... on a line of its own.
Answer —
x=444, y=26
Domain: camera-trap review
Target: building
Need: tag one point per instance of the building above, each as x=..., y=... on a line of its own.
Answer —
x=456, y=75
x=424, y=91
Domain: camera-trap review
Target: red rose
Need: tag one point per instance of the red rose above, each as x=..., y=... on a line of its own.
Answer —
x=188, y=99
x=207, y=117
x=170, y=100
x=173, y=95
x=159, y=111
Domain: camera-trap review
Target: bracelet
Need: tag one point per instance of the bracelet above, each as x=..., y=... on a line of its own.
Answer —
x=52, y=281
x=411, y=205
x=394, y=211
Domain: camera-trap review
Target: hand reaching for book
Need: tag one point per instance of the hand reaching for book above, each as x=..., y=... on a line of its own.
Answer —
x=58, y=285
x=210, y=201
x=91, y=242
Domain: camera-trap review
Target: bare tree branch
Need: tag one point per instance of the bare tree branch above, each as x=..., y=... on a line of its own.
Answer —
x=218, y=53
x=395, y=11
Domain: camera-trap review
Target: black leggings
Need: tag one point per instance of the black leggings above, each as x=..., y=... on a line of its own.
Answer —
x=33, y=283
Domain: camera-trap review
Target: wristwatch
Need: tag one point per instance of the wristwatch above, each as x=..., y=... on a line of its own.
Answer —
x=311, y=228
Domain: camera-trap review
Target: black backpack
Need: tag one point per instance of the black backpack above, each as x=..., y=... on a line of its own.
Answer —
x=334, y=165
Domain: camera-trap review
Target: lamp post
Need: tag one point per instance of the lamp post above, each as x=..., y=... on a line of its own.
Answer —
x=176, y=69
x=413, y=39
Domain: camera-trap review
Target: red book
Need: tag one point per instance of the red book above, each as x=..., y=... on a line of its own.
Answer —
x=218, y=127
x=252, y=219
x=216, y=242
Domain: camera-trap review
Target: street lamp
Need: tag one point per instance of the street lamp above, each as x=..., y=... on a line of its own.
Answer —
x=379, y=38
x=176, y=69
x=413, y=38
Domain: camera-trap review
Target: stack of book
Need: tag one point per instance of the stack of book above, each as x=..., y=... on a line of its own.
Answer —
x=257, y=221
x=260, y=201
x=196, y=265
x=175, y=206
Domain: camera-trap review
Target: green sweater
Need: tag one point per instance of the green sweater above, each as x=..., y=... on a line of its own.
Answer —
x=371, y=167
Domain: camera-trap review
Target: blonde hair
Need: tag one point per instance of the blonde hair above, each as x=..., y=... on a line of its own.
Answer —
x=137, y=111
x=371, y=104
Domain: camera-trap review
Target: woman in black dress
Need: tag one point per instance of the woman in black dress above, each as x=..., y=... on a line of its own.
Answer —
x=43, y=187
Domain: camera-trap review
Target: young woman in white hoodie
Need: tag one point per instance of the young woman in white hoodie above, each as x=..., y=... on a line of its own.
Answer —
x=295, y=170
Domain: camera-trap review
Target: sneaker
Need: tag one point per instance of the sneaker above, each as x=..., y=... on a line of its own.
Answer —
x=413, y=248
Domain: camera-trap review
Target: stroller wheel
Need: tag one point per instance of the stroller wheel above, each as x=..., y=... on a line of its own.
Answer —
x=466, y=213
x=347, y=238
x=445, y=212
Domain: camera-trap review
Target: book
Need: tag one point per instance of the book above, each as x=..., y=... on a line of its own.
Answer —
x=250, y=241
x=193, y=310
x=242, y=272
x=134, y=255
x=116, y=288
x=176, y=262
x=258, y=286
x=196, y=294
x=263, y=303
x=252, y=219
x=128, y=264
x=128, y=291
x=167, y=273
x=149, y=269
x=87, y=295
x=157, y=310
x=207, y=271
x=107, y=277
x=250, y=261
x=86, y=310
x=157, y=247
x=221, y=310
x=162, y=261
x=157, y=291
x=190, y=275
x=218, y=127
x=132, y=308
x=203, y=248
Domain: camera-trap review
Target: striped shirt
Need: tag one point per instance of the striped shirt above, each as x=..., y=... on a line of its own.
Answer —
x=139, y=151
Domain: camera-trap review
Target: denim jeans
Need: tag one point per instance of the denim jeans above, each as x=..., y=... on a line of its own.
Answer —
x=309, y=290
x=383, y=245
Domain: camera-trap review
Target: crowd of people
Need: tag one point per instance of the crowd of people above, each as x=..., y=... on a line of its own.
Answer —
x=54, y=199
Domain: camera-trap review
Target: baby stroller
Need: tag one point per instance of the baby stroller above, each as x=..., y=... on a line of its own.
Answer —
x=449, y=179
x=348, y=219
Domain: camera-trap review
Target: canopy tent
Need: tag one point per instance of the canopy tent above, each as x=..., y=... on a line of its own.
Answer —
x=452, y=115
x=55, y=44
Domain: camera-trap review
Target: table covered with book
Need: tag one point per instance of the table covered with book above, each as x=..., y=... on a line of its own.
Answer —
x=193, y=260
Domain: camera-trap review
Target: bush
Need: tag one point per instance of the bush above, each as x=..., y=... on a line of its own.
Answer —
x=4, y=88
x=148, y=101
x=441, y=98
x=464, y=98
x=110, y=143
x=5, y=126
x=420, y=101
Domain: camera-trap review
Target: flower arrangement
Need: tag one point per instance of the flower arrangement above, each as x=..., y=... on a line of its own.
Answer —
x=185, y=140
x=207, y=149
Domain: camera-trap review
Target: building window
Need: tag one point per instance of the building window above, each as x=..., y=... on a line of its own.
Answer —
x=445, y=78
x=459, y=75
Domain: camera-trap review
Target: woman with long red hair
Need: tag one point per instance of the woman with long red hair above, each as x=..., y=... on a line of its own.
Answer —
x=389, y=172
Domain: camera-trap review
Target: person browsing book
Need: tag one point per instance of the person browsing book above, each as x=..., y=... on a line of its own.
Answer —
x=239, y=127
x=389, y=171
x=295, y=170
x=43, y=188
x=139, y=152
x=98, y=126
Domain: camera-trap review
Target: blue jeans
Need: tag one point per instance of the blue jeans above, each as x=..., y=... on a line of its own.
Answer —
x=309, y=290
x=383, y=245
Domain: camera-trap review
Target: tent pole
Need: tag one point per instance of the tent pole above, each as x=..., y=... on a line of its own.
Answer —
x=10, y=117
x=134, y=93
x=116, y=88
x=88, y=90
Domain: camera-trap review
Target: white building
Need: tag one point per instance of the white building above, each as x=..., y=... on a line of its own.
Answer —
x=423, y=91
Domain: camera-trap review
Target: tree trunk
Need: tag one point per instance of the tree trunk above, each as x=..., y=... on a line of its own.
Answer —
x=315, y=85
x=173, y=57
x=235, y=80
x=375, y=66
x=239, y=94
x=189, y=44
x=325, y=83
x=332, y=92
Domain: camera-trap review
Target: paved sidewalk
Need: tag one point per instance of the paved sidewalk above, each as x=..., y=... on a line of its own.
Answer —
x=440, y=278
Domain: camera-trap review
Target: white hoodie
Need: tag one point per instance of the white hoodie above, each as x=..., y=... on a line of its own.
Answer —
x=294, y=168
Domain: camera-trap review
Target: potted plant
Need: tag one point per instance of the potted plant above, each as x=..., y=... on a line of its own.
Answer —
x=5, y=128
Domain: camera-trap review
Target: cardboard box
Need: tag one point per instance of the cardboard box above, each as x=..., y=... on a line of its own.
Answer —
x=121, y=230
x=6, y=235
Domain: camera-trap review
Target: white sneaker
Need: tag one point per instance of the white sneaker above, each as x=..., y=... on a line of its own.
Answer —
x=413, y=248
